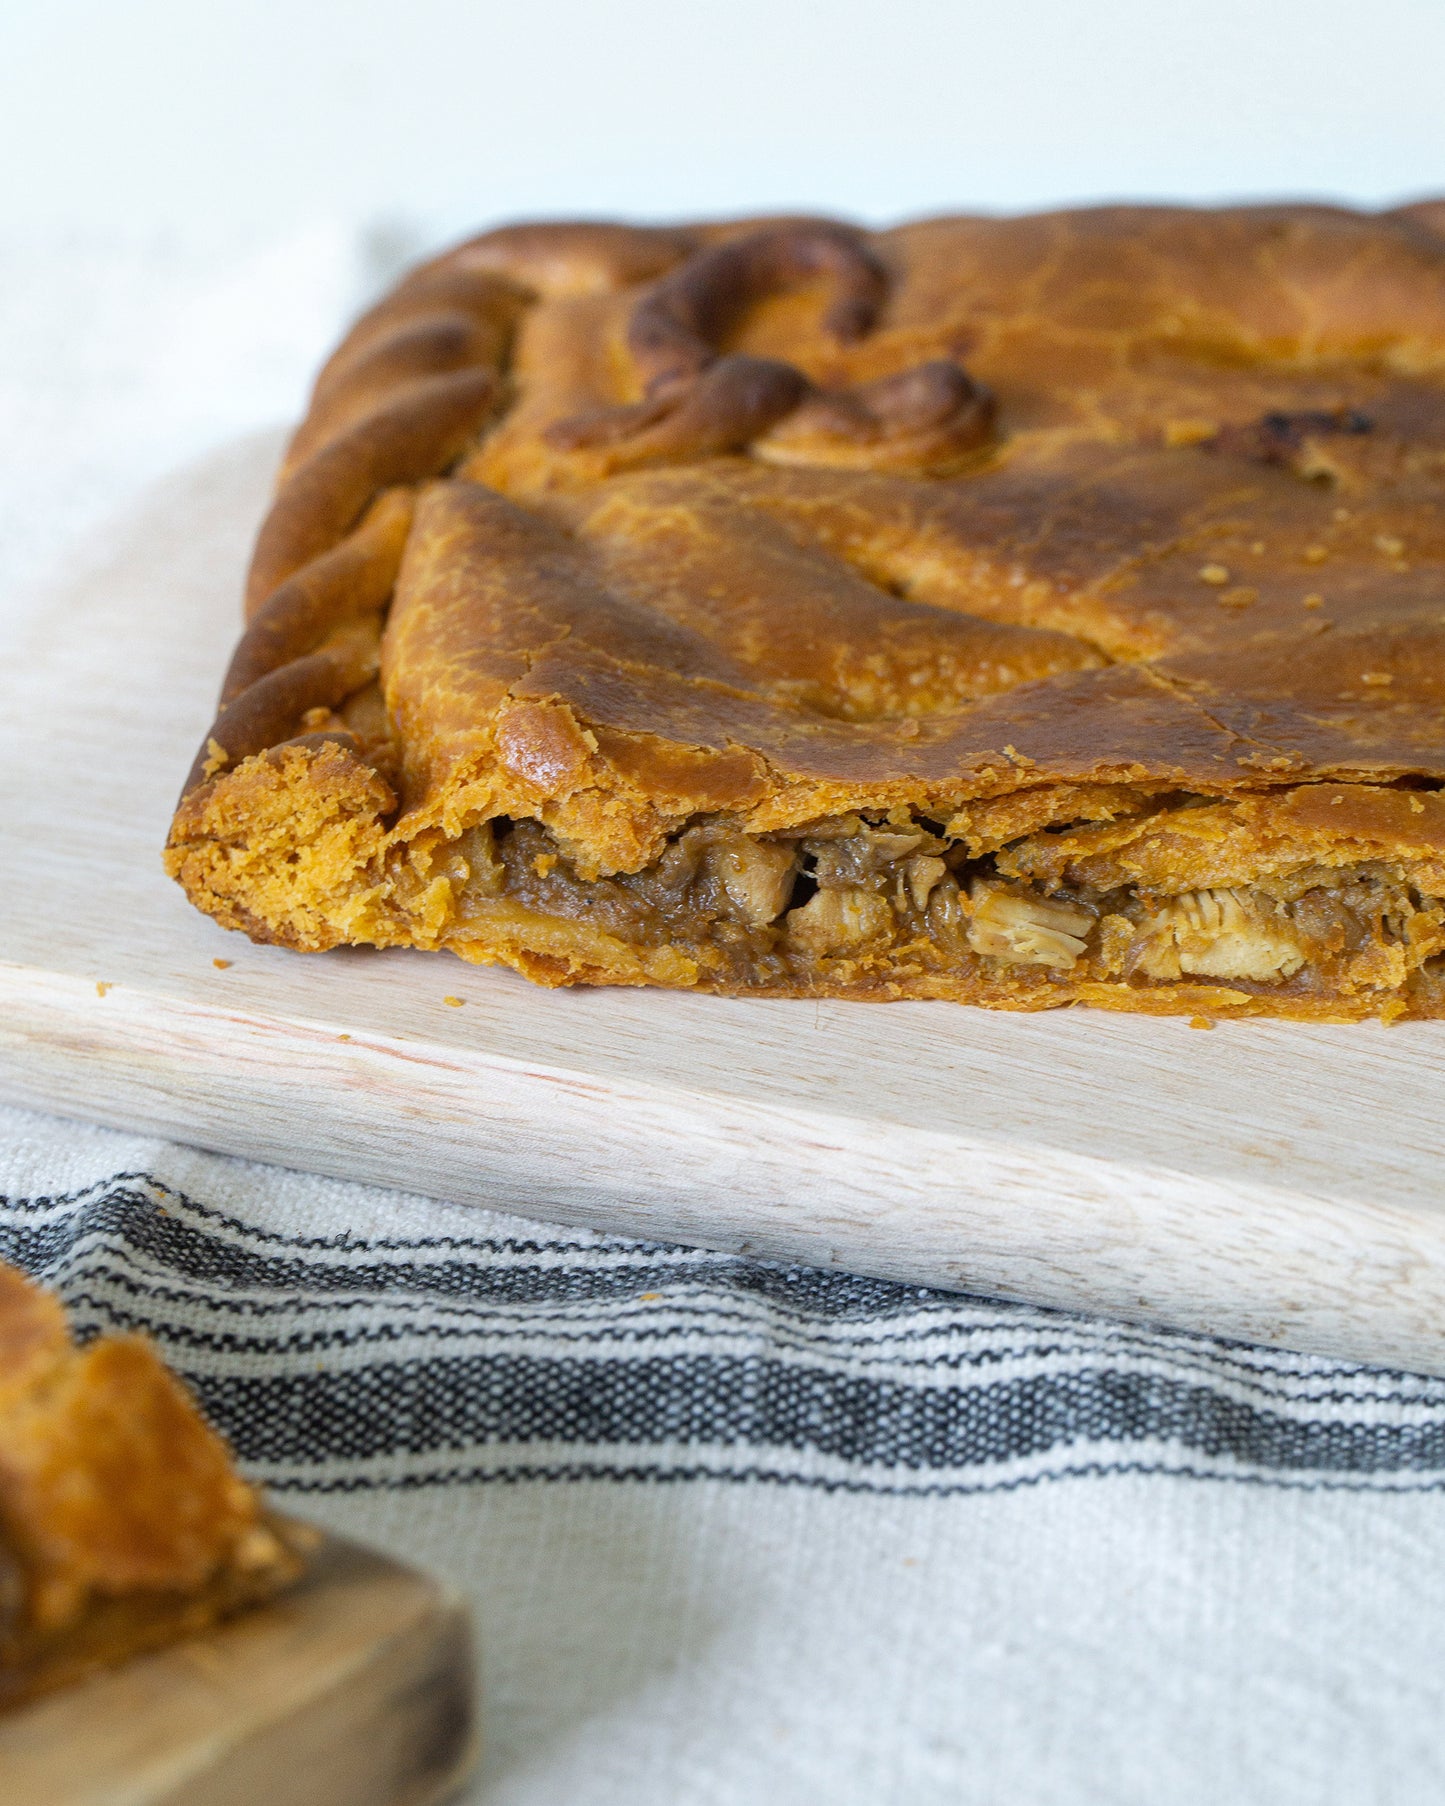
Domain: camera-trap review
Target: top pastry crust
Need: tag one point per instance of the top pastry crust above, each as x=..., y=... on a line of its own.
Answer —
x=1024, y=611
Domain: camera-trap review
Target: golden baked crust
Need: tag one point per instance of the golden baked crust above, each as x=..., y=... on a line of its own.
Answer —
x=1023, y=611
x=123, y=1525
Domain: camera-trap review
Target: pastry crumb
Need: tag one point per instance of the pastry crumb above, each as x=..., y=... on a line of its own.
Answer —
x=453, y=1003
x=223, y=965
x=1189, y=432
x=1201, y=1022
x=101, y=987
x=343, y=1037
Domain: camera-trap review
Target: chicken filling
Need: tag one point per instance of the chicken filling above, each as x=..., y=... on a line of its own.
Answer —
x=885, y=894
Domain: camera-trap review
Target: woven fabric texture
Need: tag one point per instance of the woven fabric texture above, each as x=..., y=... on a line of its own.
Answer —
x=518, y=1351
x=736, y=1532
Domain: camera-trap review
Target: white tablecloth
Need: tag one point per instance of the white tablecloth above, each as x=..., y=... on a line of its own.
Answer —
x=733, y=1533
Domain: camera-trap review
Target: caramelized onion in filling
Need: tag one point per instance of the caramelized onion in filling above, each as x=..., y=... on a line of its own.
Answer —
x=879, y=897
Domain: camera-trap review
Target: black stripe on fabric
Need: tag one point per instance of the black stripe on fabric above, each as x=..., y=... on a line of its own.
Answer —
x=708, y=1321
x=658, y=1474
x=418, y=1408
x=169, y=1240
x=129, y=1214
x=131, y=1252
x=126, y=1215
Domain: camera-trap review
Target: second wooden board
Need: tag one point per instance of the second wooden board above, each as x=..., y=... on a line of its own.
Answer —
x=1279, y=1182
x=354, y=1689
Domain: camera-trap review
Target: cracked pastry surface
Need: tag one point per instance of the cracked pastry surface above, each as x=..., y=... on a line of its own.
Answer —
x=1021, y=611
x=123, y=1524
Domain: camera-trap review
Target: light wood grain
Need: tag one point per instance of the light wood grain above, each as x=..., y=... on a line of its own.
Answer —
x=1270, y=1181
x=355, y=1689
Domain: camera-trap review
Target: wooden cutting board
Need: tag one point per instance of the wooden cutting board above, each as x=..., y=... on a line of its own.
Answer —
x=1281, y=1183
x=353, y=1689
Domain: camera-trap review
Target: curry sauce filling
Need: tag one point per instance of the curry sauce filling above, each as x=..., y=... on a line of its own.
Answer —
x=1259, y=896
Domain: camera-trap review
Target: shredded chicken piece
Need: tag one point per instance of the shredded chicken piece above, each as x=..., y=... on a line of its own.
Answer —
x=1025, y=930
x=921, y=875
x=832, y=921
x=1236, y=934
x=757, y=876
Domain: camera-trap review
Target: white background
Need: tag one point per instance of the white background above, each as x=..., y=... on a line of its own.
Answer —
x=267, y=115
x=195, y=194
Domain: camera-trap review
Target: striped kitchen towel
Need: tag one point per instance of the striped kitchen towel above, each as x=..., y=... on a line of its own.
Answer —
x=491, y=1349
x=742, y=1533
